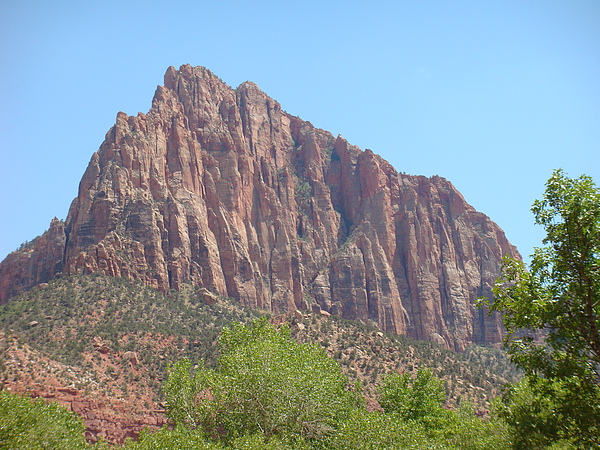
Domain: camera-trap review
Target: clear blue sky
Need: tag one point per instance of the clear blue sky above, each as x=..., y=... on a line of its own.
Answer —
x=491, y=94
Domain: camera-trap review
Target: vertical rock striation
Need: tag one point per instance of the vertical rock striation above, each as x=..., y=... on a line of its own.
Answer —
x=221, y=188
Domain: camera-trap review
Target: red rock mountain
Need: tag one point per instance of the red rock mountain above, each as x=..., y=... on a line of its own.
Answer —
x=221, y=188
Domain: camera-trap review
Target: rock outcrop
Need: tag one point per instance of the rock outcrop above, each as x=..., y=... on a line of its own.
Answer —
x=221, y=188
x=37, y=262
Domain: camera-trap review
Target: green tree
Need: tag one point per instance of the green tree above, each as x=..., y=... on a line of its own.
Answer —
x=544, y=413
x=35, y=424
x=179, y=438
x=270, y=392
x=364, y=430
x=552, y=315
x=265, y=383
x=416, y=417
x=413, y=399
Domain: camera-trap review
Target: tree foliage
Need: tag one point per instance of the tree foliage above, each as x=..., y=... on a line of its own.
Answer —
x=265, y=383
x=560, y=294
x=248, y=403
x=415, y=404
x=552, y=316
x=551, y=412
x=413, y=399
x=180, y=438
x=378, y=431
x=35, y=424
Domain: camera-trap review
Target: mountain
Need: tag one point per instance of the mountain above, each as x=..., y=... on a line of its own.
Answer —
x=220, y=188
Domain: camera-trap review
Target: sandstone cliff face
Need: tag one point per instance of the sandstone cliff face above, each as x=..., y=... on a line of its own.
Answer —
x=37, y=262
x=221, y=188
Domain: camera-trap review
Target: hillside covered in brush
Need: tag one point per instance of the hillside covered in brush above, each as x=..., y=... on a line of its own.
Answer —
x=102, y=344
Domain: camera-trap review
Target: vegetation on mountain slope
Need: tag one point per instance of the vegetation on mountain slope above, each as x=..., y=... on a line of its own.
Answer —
x=270, y=392
x=112, y=338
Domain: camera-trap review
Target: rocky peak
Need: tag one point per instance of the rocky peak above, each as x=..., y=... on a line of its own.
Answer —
x=221, y=188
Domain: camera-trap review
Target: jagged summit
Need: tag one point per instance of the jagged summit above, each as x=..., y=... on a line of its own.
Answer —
x=221, y=188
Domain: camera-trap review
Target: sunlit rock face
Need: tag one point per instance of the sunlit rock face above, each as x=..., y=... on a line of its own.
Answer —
x=221, y=188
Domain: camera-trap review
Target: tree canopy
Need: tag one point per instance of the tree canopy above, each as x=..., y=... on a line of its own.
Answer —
x=412, y=399
x=35, y=424
x=269, y=391
x=552, y=316
x=264, y=383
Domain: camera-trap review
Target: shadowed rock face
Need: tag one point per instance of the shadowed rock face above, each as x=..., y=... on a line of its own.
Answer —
x=221, y=188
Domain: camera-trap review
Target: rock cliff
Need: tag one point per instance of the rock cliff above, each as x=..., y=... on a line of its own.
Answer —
x=221, y=188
